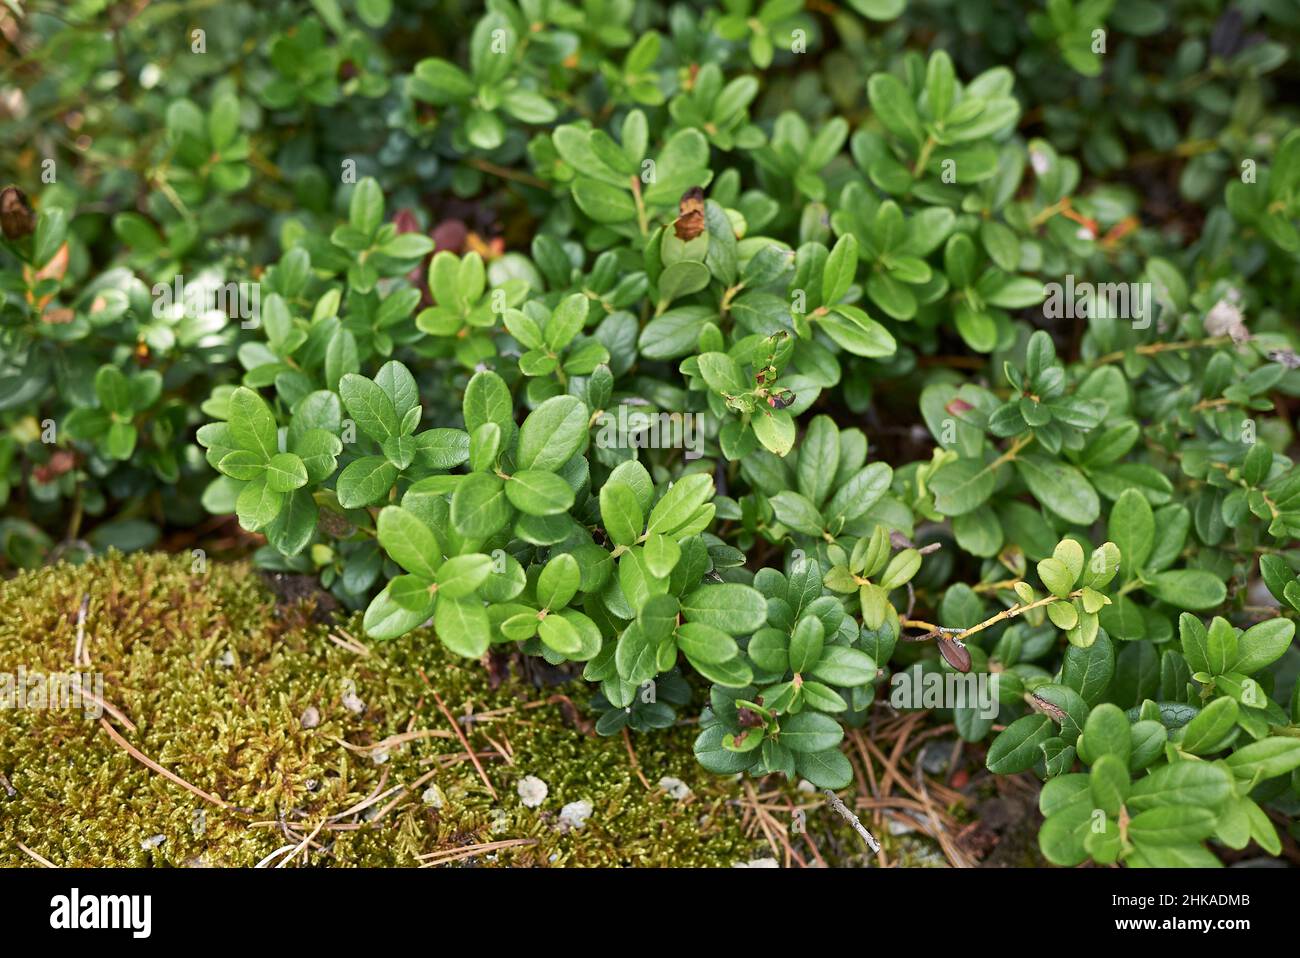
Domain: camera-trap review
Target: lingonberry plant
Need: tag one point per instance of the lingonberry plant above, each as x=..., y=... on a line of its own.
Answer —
x=626, y=337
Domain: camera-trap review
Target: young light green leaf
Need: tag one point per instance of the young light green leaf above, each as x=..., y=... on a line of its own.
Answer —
x=409, y=542
x=552, y=434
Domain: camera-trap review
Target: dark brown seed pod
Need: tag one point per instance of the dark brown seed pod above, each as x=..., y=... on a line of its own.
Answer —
x=690, y=219
x=16, y=216
x=954, y=653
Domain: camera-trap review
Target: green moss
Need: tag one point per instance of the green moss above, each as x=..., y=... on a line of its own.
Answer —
x=216, y=674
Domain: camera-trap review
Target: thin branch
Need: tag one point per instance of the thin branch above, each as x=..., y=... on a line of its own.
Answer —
x=365, y=803
x=405, y=791
x=265, y=862
x=445, y=856
x=104, y=704
x=80, y=650
x=846, y=814
x=33, y=855
x=305, y=842
x=1150, y=349
x=636, y=766
x=460, y=734
x=507, y=173
x=395, y=740
x=144, y=760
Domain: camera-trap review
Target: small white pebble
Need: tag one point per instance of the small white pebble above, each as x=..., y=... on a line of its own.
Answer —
x=1084, y=233
x=433, y=797
x=226, y=659
x=675, y=787
x=379, y=756
x=758, y=863
x=575, y=814
x=532, y=791
x=13, y=103
x=806, y=786
x=153, y=842
x=310, y=717
x=353, y=704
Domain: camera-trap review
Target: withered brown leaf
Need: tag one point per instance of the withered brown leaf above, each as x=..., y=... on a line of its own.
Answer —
x=690, y=219
x=16, y=216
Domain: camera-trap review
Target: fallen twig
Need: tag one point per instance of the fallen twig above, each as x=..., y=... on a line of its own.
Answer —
x=80, y=650
x=395, y=740
x=365, y=803
x=445, y=856
x=33, y=855
x=350, y=644
x=636, y=766
x=103, y=703
x=848, y=816
x=265, y=862
x=773, y=831
x=144, y=760
x=303, y=844
x=406, y=790
x=455, y=727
